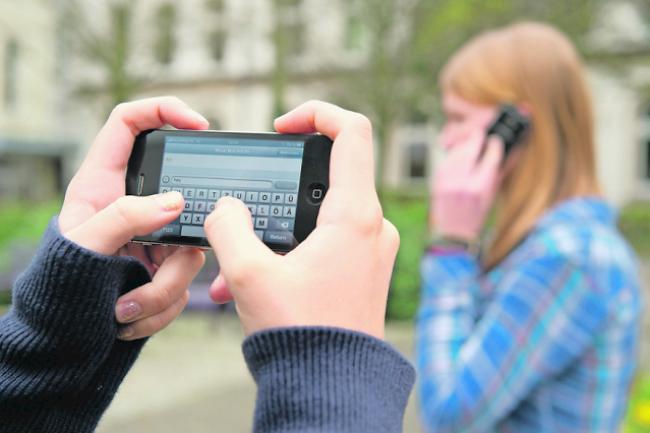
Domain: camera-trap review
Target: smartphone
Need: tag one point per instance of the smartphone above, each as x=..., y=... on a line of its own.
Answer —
x=511, y=126
x=282, y=178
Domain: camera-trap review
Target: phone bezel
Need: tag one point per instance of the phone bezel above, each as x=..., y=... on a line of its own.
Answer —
x=147, y=155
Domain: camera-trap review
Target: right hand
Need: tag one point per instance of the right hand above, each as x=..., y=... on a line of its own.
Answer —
x=339, y=276
x=465, y=187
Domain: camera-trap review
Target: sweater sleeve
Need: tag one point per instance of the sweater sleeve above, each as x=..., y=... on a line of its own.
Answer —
x=60, y=361
x=327, y=380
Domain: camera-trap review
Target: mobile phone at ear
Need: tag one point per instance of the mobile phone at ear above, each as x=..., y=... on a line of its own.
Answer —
x=282, y=179
x=511, y=126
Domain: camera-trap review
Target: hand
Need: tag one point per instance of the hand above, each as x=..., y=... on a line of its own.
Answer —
x=97, y=216
x=464, y=188
x=338, y=276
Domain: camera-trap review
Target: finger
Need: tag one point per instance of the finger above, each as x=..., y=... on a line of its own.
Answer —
x=112, y=147
x=128, y=216
x=159, y=253
x=140, y=252
x=239, y=251
x=352, y=160
x=219, y=291
x=150, y=325
x=168, y=285
x=488, y=167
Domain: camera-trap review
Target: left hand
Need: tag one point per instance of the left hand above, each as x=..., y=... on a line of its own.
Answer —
x=465, y=187
x=97, y=216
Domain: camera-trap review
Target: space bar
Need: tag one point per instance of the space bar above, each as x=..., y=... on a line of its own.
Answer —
x=194, y=231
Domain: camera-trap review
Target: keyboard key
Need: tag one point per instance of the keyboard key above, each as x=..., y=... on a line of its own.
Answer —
x=283, y=238
x=291, y=199
x=197, y=218
x=189, y=205
x=168, y=230
x=226, y=193
x=261, y=223
x=265, y=197
x=252, y=196
x=164, y=189
x=239, y=195
x=276, y=211
x=211, y=207
x=280, y=224
x=259, y=234
x=178, y=190
x=214, y=194
x=189, y=192
x=253, y=209
x=278, y=197
x=199, y=206
x=193, y=231
x=289, y=212
x=186, y=218
x=201, y=194
x=263, y=209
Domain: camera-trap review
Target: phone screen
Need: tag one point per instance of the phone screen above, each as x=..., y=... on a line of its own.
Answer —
x=264, y=174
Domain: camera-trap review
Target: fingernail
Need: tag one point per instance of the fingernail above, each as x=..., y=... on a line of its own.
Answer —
x=126, y=332
x=199, y=117
x=127, y=311
x=172, y=200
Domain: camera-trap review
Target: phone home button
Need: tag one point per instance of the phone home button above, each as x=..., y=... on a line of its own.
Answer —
x=316, y=193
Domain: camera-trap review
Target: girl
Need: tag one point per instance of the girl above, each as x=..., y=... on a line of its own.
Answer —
x=539, y=333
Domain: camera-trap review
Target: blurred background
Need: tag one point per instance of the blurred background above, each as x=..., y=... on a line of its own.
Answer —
x=65, y=63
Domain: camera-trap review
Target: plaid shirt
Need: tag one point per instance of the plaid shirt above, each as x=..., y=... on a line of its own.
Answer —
x=545, y=342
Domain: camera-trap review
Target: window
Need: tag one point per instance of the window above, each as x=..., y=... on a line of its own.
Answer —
x=217, y=6
x=11, y=74
x=290, y=31
x=165, y=43
x=217, y=35
x=354, y=33
x=418, y=155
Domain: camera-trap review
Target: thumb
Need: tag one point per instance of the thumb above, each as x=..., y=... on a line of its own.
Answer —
x=128, y=216
x=229, y=229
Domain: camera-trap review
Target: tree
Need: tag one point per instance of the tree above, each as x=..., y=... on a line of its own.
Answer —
x=109, y=49
x=408, y=42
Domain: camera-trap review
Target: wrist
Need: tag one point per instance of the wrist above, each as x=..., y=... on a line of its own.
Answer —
x=446, y=244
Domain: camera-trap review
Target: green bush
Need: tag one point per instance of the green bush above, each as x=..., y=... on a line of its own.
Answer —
x=409, y=214
x=638, y=412
x=21, y=223
x=634, y=223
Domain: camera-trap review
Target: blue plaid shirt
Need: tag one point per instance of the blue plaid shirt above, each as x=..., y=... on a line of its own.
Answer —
x=545, y=342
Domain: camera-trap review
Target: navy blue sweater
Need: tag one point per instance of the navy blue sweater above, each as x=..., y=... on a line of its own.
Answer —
x=61, y=364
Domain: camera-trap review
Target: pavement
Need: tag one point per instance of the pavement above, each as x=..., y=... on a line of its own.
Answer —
x=192, y=377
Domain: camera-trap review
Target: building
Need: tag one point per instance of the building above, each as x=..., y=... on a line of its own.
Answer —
x=221, y=57
x=33, y=146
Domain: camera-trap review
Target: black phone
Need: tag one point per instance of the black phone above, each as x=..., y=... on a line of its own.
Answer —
x=282, y=178
x=511, y=125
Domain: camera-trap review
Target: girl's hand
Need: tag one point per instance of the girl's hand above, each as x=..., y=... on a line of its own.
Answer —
x=464, y=187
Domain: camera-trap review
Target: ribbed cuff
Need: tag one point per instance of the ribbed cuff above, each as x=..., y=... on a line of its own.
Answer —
x=60, y=360
x=329, y=379
x=68, y=293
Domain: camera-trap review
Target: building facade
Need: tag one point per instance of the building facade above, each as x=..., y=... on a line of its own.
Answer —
x=223, y=58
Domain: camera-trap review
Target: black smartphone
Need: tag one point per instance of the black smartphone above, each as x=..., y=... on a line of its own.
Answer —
x=511, y=126
x=282, y=178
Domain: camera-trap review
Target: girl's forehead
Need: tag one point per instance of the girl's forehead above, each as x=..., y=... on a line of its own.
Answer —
x=453, y=102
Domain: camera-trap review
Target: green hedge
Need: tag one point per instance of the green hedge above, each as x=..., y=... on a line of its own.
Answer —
x=638, y=412
x=21, y=222
x=634, y=222
x=409, y=214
